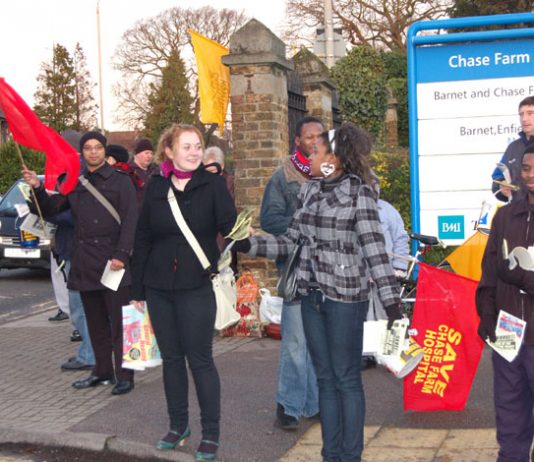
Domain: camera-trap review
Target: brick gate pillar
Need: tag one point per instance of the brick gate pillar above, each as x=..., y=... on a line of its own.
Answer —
x=318, y=87
x=258, y=95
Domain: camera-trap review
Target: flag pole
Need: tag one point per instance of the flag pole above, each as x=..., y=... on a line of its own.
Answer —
x=34, y=196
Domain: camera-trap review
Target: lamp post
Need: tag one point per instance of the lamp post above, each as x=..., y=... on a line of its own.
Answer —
x=329, y=33
x=100, y=86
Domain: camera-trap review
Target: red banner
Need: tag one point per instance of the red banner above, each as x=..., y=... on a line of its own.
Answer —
x=445, y=322
x=29, y=131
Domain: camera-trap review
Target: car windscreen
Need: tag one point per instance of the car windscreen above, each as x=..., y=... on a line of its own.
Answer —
x=7, y=204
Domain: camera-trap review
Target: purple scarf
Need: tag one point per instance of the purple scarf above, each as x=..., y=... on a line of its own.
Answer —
x=168, y=167
x=301, y=163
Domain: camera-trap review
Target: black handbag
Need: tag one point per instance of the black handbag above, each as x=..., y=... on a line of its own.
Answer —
x=287, y=284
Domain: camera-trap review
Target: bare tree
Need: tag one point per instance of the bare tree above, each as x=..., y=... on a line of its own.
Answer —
x=378, y=23
x=146, y=48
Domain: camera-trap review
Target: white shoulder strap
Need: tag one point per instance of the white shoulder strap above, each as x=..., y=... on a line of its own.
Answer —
x=100, y=198
x=180, y=221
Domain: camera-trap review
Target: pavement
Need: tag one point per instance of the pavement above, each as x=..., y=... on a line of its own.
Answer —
x=39, y=406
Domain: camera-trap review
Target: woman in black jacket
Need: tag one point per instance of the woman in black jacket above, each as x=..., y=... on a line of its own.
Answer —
x=168, y=275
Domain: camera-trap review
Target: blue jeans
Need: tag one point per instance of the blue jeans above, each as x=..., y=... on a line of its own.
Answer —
x=297, y=382
x=77, y=316
x=334, y=332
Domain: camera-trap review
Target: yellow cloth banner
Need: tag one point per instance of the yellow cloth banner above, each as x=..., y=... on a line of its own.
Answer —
x=213, y=79
x=466, y=260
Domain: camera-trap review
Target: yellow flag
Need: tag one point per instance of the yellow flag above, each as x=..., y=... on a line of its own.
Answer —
x=466, y=260
x=213, y=79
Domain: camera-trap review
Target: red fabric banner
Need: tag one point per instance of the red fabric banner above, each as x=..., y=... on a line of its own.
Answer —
x=445, y=322
x=29, y=131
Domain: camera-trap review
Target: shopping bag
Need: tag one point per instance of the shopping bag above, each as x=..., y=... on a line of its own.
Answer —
x=249, y=324
x=270, y=307
x=247, y=288
x=225, y=296
x=139, y=346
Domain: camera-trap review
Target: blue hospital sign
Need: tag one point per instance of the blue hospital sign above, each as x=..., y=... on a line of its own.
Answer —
x=464, y=94
x=451, y=227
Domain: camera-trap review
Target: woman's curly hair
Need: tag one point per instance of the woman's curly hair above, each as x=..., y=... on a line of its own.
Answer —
x=352, y=146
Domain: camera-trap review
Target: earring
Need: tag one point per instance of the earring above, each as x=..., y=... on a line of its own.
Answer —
x=327, y=169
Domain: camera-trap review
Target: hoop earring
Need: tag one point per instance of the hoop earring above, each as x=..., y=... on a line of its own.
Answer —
x=327, y=169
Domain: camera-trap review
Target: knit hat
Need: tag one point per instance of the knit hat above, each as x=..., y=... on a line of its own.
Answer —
x=144, y=144
x=118, y=152
x=92, y=136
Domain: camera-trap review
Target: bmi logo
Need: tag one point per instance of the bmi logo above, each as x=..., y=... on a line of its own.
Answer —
x=451, y=227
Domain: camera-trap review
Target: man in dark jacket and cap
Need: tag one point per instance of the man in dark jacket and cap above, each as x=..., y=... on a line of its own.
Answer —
x=104, y=226
x=143, y=168
x=510, y=288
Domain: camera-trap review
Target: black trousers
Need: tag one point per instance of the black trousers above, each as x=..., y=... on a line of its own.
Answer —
x=103, y=311
x=183, y=321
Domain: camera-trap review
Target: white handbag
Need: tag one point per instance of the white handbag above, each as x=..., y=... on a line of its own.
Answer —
x=223, y=282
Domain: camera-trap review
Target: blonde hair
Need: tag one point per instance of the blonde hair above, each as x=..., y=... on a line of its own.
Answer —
x=170, y=135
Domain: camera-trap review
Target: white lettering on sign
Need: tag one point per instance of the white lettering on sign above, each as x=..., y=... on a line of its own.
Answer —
x=499, y=59
x=451, y=227
x=502, y=59
x=457, y=61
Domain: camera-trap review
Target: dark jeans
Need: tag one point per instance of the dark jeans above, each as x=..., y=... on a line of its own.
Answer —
x=183, y=321
x=103, y=312
x=334, y=332
x=513, y=385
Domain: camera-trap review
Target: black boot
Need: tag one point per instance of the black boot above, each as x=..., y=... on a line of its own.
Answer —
x=284, y=421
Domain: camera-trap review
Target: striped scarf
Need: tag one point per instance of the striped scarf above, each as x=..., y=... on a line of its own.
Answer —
x=301, y=163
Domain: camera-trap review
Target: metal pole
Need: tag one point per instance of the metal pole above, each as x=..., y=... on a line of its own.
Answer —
x=100, y=86
x=329, y=33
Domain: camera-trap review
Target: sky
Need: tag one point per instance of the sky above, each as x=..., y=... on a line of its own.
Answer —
x=30, y=28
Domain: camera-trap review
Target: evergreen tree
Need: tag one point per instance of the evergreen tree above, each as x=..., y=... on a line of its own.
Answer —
x=55, y=98
x=360, y=78
x=169, y=100
x=86, y=108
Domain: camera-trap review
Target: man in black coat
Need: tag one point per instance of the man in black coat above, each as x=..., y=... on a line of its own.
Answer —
x=100, y=238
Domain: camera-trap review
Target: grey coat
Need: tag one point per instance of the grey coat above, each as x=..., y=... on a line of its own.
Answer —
x=343, y=244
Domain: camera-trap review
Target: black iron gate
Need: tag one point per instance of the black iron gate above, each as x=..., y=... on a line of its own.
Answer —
x=296, y=103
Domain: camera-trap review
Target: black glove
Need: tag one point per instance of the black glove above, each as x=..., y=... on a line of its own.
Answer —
x=486, y=328
x=242, y=246
x=515, y=277
x=394, y=312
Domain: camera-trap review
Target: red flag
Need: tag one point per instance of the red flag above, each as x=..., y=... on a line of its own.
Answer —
x=29, y=131
x=445, y=321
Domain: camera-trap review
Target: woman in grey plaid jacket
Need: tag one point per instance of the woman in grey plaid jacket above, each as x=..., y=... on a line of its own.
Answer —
x=342, y=248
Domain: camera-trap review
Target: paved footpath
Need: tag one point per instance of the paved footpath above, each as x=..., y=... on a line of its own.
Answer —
x=40, y=407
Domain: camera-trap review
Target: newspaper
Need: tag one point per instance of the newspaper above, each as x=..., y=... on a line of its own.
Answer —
x=510, y=331
x=38, y=227
x=524, y=257
x=379, y=340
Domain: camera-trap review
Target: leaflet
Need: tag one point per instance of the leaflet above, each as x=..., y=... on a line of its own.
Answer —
x=510, y=331
x=112, y=278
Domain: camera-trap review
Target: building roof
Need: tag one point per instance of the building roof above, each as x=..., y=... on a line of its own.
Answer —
x=124, y=138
